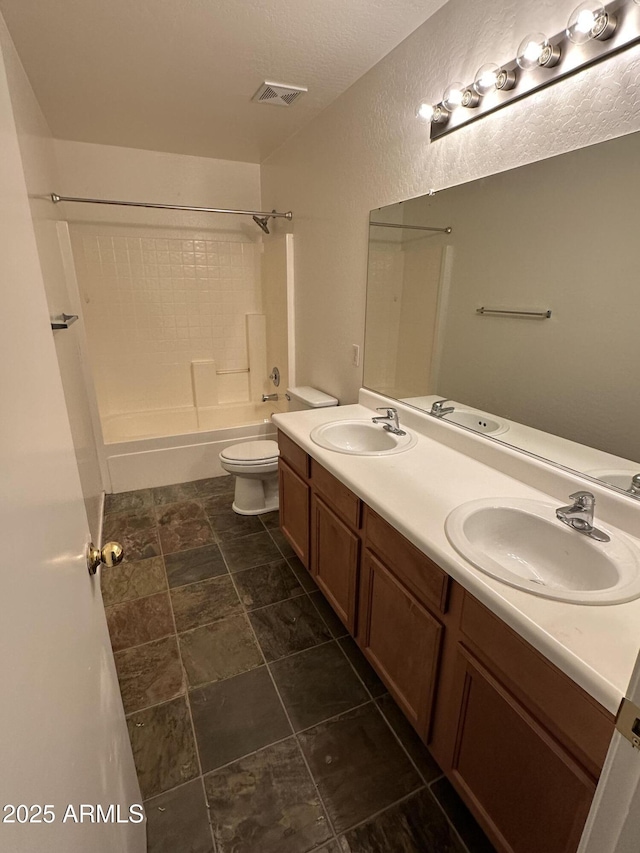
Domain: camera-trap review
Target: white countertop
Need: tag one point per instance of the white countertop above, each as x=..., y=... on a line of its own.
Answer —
x=415, y=490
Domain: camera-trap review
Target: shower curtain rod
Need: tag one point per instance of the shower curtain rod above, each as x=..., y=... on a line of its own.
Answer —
x=447, y=230
x=55, y=198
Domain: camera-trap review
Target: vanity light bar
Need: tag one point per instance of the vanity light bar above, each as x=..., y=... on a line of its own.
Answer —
x=594, y=32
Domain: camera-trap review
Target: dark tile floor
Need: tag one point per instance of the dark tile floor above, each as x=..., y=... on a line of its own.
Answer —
x=257, y=726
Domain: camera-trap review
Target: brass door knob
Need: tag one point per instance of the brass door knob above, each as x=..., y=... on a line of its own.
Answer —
x=110, y=555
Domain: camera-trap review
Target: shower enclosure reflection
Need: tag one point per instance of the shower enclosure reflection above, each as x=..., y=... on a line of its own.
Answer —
x=550, y=252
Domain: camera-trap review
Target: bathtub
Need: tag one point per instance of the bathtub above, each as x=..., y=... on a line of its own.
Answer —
x=145, y=449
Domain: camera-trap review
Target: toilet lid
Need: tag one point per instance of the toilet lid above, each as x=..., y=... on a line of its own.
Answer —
x=251, y=451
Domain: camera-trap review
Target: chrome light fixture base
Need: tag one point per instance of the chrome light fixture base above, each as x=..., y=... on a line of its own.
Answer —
x=612, y=32
x=506, y=79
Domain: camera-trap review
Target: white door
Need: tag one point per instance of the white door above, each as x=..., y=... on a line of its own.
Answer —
x=63, y=737
x=613, y=825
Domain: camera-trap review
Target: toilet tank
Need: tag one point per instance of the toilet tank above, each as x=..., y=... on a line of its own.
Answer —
x=305, y=397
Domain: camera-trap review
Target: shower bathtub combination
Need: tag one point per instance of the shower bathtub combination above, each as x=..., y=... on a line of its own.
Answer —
x=186, y=369
x=147, y=449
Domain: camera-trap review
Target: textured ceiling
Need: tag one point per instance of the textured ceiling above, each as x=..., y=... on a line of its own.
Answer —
x=178, y=75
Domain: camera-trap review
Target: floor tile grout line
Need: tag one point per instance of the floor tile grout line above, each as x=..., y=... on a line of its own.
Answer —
x=300, y=750
x=317, y=609
x=248, y=754
x=194, y=583
x=402, y=746
x=202, y=580
x=181, y=550
x=300, y=651
x=350, y=662
x=294, y=734
x=146, y=642
x=208, y=812
x=186, y=685
x=170, y=790
x=385, y=809
x=334, y=717
x=269, y=663
x=273, y=603
x=388, y=724
x=135, y=597
x=129, y=714
x=447, y=816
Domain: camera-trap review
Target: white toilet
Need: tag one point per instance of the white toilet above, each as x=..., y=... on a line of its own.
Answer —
x=255, y=463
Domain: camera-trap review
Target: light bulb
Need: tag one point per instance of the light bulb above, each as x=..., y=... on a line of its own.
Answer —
x=424, y=112
x=535, y=50
x=530, y=51
x=486, y=78
x=452, y=97
x=589, y=21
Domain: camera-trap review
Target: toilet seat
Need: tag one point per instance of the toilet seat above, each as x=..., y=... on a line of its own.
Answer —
x=251, y=453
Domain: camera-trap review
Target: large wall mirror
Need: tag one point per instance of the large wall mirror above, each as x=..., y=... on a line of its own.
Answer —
x=525, y=314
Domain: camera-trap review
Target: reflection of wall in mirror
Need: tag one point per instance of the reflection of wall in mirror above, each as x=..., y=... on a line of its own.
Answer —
x=403, y=305
x=558, y=234
x=384, y=291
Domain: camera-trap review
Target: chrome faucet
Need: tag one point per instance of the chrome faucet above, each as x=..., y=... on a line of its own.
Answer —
x=579, y=515
x=268, y=397
x=634, y=488
x=438, y=409
x=391, y=416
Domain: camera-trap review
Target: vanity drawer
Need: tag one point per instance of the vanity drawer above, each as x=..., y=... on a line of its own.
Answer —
x=559, y=703
x=294, y=455
x=336, y=493
x=416, y=571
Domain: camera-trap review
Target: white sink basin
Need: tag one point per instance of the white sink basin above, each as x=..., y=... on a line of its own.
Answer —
x=361, y=438
x=523, y=544
x=476, y=421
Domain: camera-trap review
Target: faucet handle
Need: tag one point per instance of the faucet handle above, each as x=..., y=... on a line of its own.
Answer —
x=585, y=499
x=391, y=412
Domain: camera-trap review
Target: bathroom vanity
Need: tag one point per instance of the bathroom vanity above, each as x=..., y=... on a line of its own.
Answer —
x=515, y=695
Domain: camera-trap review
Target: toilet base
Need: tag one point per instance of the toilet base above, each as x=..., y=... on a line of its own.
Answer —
x=268, y=507
x=256, y=495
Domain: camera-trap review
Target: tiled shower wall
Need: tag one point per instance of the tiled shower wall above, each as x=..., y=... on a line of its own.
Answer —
x=156, y=301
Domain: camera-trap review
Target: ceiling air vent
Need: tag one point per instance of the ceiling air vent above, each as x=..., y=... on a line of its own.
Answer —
x=278, y=94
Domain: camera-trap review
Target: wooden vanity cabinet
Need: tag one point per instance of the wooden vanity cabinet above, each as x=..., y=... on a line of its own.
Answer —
x=402, y=598
x=526, y=744
x=335, y=542
x=294, y=496
x=521, y=742
x=321, y=518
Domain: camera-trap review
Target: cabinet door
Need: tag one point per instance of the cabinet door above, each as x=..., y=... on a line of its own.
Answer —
x=294, y=511
x=529, y=793
x=334, y=560
x=401, y=639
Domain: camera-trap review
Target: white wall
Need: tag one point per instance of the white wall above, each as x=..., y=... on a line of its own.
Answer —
x=367, y=150
x=107, y=171
x=36, y=149
x=163, y=289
